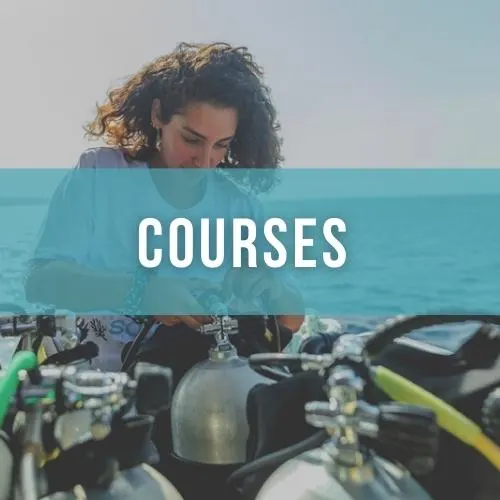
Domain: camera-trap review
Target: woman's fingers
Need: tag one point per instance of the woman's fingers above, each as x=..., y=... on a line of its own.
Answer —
x=168, y=320
x=199, y=320
x=179, y=298
x=192, y=321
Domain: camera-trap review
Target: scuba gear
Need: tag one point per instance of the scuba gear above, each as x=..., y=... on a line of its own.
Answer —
x=208, y=408
x=95, y=462
x=7, y=469
x=463, y=378
x=277, y=428
x=52, y=338
x=491, y=414
x=204, y=433
x=344, y=466
x=212, y=391
x=459, y=379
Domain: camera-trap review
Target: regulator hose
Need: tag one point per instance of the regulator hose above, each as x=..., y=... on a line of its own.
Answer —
x=401, y=389
x=23, y=360
x=451, y=420
x=136, y=344
x=277, y=458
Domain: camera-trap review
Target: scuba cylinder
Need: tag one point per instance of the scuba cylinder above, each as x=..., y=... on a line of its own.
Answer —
x=109, y=459
x=208, y=421
x=7, y=469
x=346, y=466
x=208, y=415
x=204, y=433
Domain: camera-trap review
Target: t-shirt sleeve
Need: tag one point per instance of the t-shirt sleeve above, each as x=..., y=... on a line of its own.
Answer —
x=66, y=231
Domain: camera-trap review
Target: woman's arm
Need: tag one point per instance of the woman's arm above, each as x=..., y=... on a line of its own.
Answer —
x=75, y=287
x=290, y=298
x=293, y=323
x=55, y=274
x=67, y=285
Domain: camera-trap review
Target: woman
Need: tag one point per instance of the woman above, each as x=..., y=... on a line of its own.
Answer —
x=201, y=106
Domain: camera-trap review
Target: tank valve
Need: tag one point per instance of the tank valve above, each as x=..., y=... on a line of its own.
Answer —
x=222, y=327
x=399, y=432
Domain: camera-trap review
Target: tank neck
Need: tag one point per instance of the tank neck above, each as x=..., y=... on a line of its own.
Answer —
x=222, y=352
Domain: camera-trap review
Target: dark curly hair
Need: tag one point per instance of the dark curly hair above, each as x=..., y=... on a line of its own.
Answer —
x=217, y=73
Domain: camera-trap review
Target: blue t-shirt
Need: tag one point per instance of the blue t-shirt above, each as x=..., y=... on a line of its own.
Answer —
x=98, y=235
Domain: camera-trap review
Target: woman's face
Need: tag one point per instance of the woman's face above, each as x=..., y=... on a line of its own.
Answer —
x=198, y=138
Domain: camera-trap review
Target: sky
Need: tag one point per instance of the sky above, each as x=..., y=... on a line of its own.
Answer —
x=357, y=83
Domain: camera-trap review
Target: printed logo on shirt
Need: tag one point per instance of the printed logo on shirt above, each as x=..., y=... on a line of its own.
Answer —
x=94, y=326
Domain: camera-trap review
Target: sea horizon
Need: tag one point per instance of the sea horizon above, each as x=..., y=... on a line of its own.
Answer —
x=14, y=201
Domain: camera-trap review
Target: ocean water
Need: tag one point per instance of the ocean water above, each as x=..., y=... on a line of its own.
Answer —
x=428, y=254
x=405, y=255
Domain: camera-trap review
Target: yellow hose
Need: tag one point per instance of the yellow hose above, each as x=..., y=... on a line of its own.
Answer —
x=41, y=357
x=448, y=418
x=488, y=449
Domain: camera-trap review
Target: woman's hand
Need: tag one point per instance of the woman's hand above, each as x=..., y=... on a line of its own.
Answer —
x=250, y=284
x=175, y=295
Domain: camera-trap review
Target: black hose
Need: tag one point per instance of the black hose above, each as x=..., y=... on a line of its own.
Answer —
x=84, y=352
x=273, y=374
x=278, y=333
x=392, y=329
x=274, y=460
x=136, y=344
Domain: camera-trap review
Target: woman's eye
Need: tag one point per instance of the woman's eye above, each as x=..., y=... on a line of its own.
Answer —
x=222, y=146
x=191, y=141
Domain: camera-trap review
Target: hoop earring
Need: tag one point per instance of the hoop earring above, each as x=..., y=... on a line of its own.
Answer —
x=158, y=139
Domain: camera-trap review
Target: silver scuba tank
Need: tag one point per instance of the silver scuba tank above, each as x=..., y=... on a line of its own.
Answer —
x=138, y=482
x=208, y=414
x=344, y=469
x=8, y=467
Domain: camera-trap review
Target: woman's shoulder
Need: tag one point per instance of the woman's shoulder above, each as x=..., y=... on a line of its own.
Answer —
x=104, y=157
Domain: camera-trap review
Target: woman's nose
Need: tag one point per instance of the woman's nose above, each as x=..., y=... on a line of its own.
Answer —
x=205, y=158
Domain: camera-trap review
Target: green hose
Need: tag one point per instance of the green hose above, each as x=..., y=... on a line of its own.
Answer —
x=22, y=360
